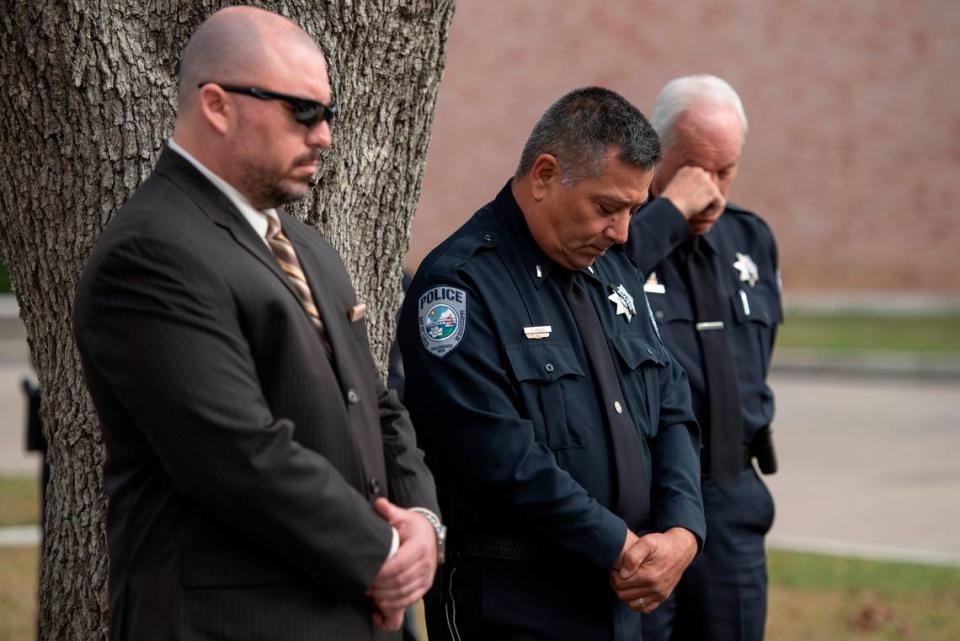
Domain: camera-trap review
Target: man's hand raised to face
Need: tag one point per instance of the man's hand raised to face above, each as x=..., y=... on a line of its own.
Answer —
x=693, y=191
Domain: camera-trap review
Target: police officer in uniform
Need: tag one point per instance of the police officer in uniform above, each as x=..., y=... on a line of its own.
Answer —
x=559, y=428
x=714, y=289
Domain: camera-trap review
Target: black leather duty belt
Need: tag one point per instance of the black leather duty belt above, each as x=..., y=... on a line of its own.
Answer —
x=494, y=546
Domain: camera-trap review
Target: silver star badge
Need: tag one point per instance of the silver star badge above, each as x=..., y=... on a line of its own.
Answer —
x=747, y=268
x=624, y=302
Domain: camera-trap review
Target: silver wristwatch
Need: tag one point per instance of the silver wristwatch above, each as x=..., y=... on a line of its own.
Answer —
x=439, y=528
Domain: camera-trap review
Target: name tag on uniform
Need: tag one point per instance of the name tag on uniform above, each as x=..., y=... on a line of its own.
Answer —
x=538, y=332
x=357, y=312
x=709, y=325
x=652, y=286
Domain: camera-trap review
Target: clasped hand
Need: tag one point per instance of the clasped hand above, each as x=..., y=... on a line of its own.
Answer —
x=650, y=567
x=408, y=574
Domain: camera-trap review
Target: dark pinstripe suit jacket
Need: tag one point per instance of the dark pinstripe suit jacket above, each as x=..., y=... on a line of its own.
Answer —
x=241, y=460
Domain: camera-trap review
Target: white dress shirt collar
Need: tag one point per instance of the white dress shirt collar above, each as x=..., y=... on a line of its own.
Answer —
x=255, y=217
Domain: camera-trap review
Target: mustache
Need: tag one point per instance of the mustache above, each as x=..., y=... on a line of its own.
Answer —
x=312, y=156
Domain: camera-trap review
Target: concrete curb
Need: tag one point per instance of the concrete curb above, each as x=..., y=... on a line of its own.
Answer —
x=9, y=307
x=865, y=365
x=867, y=551
x=880, y=302
x=20, y=536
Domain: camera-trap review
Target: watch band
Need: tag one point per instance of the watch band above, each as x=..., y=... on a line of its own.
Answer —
x=438, y=527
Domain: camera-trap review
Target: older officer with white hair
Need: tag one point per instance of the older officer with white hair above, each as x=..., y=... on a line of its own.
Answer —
x=713, y=286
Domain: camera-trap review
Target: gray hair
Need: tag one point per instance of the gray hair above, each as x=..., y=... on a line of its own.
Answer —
x=580, y=128
x=680, y=94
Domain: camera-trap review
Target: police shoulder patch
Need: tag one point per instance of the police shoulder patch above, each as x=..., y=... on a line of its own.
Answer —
x=442, y=313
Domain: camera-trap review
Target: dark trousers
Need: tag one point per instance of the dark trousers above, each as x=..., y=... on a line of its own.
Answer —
x=723, y=594
x=502, y=600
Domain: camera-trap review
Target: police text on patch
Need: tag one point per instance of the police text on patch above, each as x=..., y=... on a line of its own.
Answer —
x=442, y=313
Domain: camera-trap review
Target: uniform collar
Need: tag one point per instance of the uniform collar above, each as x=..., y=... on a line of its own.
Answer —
x=537, y=265
x=534, y=261
x=710, y=239
x=593, y=272
x=708, y=243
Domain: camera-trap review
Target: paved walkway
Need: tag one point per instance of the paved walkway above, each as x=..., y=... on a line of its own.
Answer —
x=868, y=464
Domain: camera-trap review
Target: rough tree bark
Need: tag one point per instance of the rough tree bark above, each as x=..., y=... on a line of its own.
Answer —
x=87, y=98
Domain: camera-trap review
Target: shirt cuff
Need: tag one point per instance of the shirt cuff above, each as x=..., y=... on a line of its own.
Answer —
x=678, y=226
x=394, y=544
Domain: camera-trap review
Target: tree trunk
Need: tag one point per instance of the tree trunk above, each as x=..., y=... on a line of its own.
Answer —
x=88, y=96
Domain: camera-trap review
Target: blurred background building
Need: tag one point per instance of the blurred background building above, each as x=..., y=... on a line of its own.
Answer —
x=853, y=154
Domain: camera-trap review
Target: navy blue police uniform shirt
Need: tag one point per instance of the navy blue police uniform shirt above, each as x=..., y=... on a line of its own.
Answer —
x=743, y=256
x=512, y=423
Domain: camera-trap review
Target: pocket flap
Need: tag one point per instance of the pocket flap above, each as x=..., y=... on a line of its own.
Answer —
x=543, y=362
x=634, y=350
x=756, y=306
x=667, y=309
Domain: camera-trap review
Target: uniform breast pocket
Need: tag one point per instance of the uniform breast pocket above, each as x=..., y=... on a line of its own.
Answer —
x=757, y=313
x=543, y=371
x=674, y=316
x=640, y=362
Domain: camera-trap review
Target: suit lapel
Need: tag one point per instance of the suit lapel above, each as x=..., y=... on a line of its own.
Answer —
x=222, y=212
x=333, y=318
x=245, y=236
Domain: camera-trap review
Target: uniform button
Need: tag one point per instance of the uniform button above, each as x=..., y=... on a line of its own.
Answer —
x=487, y=237
x=548, y=367
x=374, y=486
x=617, y=406
x=659, y=314
x=352, y=396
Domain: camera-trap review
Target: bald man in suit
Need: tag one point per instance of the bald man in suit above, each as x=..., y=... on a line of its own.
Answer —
x=262, y=482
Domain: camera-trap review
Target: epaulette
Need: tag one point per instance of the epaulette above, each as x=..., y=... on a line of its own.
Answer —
x=760, y=226
x=738, y=209
x=460, y=250
x=734, y=208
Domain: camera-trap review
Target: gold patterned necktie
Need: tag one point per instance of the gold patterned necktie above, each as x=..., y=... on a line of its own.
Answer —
x=290, y=264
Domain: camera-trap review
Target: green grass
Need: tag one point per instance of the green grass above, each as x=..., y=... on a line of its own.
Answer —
x=18, y=593
x=823, y=598
x=933, y=334
x=19, y=500
x=818, y=571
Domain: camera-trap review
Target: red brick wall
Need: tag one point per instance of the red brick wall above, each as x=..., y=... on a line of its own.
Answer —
x=853, y=154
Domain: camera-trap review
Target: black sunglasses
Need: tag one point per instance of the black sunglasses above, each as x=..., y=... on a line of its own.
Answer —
x=305, y=111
